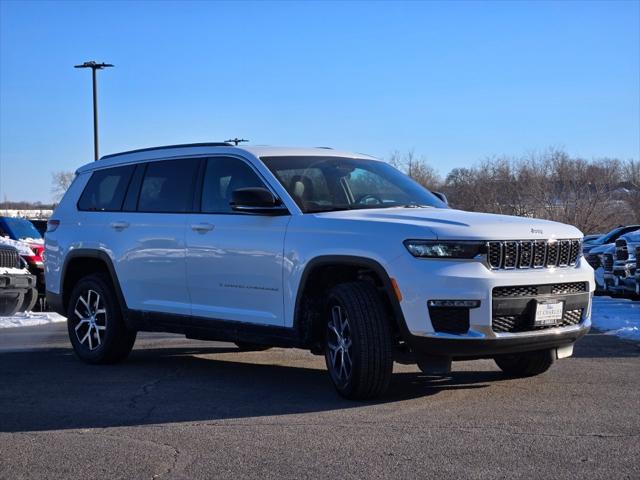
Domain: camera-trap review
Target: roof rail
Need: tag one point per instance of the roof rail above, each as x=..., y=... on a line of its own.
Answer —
x=183, y=145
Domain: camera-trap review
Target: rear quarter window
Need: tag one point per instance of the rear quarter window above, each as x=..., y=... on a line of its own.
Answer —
x=106, y=189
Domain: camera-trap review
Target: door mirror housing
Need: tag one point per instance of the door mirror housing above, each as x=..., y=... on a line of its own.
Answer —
x=442, y=197
x=256, y=200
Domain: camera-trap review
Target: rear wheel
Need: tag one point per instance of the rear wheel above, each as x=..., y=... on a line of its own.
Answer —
x=358, y=341
x=96, y=327
x=526, y=364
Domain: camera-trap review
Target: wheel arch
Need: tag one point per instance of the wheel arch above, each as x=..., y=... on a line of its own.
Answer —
x=318, y=266
x=84, y=261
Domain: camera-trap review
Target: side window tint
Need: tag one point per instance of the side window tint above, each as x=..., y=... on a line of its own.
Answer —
x=307, y=186
x=131, y=200
x=106, y=189
x=222, y=176
x=168, y=186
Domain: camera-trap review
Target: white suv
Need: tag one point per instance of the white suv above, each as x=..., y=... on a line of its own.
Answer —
x=334, y=252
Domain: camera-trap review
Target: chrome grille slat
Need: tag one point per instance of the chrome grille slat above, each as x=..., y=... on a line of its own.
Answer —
x=539, y=253
x=512, y=254
x=510, y=259
x=526, y=254
x=9, y=257
x=564, y=252
x=552, y=254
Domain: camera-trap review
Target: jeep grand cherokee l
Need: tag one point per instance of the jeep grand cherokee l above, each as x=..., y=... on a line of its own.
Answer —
x=334, y=252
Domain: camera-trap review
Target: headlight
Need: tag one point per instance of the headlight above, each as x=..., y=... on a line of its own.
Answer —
x=444, y=249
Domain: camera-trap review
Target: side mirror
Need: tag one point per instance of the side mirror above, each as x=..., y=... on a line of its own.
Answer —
x=256, y=200
x=442, y=197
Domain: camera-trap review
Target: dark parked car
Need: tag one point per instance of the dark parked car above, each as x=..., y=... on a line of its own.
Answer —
x=609, y=237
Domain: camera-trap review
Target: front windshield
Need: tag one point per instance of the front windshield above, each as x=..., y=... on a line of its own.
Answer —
x=22, y=229
x=324, y=184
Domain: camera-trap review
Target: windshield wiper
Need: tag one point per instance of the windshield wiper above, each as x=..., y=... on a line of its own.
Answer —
x=328, y=209
x=414, y=205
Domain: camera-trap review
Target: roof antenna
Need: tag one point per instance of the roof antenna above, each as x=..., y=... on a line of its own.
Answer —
x=236, y=141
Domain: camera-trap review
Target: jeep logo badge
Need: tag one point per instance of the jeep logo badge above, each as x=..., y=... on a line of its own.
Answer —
x=536, y=230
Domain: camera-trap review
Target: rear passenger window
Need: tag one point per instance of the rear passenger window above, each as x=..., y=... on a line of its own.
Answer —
x=168, y=186
x=106, y=189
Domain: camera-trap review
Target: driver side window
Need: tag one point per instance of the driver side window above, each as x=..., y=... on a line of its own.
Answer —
x=222, y=176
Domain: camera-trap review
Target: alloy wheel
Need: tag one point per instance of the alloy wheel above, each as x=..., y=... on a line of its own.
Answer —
x=92, y=319
x=339, y=346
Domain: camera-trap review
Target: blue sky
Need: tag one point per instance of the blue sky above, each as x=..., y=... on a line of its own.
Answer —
x=455, y=82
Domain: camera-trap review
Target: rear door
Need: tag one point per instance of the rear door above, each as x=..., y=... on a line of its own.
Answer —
x=151, y=228
x=234, y=260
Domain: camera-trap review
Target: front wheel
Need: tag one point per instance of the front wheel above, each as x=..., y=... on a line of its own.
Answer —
x=358, y=341
x=96, y=327
x=526, y=364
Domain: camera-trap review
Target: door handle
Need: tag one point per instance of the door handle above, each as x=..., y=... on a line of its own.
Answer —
x=119, y=226
x=202, y=227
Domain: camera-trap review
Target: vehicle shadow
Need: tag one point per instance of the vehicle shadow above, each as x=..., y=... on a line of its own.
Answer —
x=51, y=390
x=597, y=344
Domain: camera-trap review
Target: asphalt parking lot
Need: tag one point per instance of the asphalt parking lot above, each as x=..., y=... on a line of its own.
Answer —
x=186, y=409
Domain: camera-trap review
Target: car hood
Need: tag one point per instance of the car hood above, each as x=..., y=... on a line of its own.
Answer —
x=633, y=237
x=445, y=223
x=606, y=248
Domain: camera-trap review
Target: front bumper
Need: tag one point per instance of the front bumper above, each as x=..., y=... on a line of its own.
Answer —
x=17, y=293
x=459, y=348
x=623, y=277
x=471, y=280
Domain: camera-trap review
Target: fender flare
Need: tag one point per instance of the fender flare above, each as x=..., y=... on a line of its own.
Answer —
x=79, y=253
x=355, y=261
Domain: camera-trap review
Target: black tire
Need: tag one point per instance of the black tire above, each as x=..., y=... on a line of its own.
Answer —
x=116, y=341
x=251, y=347
x=526, y=364
x=366, y=342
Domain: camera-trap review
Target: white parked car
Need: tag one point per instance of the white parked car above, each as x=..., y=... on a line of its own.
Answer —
x=334, y=252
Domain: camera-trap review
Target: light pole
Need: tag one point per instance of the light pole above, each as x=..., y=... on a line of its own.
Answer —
x=94, y=66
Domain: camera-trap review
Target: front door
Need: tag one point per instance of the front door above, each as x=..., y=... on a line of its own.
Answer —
x=234, y=260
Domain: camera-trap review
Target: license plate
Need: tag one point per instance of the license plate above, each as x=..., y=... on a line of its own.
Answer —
x=548, y=314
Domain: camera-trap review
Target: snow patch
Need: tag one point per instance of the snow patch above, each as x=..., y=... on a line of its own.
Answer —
x=29, y=319
x=616, y=316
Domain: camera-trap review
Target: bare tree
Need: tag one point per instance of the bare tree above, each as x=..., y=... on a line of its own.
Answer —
x=60, y=183
x=417, y=168
x=592, y=195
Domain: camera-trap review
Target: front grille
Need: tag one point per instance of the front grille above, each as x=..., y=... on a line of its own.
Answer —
x=9, y=257
x=622, y=253
x=533, y=290
x=449, y=319
x=607, y=262
x=568, y=288
x=533, y=253
x=524, y=322
x=524, y=291
x=593, y=259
